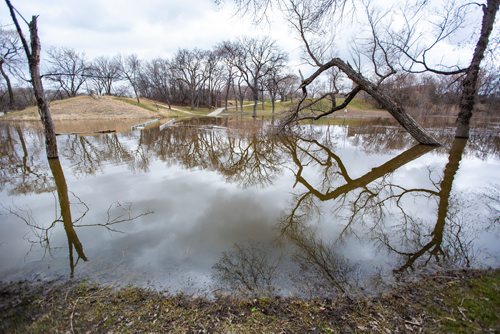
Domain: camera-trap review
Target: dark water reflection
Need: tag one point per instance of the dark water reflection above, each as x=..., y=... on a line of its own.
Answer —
x=212, y=205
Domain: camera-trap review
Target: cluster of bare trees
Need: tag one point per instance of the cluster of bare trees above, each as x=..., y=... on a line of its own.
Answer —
x=246, y=69
x=401, y=37
x=379, y=54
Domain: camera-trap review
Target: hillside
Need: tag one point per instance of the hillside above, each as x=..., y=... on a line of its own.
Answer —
x=86, y=108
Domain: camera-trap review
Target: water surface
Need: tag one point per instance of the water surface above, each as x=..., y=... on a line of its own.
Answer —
x=218, y=205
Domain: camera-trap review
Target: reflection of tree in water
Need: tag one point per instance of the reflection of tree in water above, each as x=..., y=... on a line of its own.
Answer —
x=64, y=216
x=248, y=157
x=483, y=142
x=89, y=153
x=324, y=271
x=19, y=164
x=254, y=270
x=374, y=199
x=446, y=239
x=247, y=270
x=336, y=182
x=65, y=207
x=252, y=158
x=242, y=153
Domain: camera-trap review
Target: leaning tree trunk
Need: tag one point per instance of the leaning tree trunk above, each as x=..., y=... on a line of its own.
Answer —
x=469, y=90
x=396, y=110
x=41, y=101
x=33, y=55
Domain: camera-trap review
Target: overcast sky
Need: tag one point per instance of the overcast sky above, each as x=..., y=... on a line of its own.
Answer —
x=149, y=28
x=157, y=28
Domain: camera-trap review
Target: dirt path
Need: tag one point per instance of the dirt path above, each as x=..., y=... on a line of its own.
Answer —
x=219, y=111
x=175, y=109
x=216, y=112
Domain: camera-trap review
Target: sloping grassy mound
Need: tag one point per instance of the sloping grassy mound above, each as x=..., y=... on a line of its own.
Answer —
x=86, y=107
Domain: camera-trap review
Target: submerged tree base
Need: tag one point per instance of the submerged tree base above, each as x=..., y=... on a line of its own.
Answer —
x=460, y=301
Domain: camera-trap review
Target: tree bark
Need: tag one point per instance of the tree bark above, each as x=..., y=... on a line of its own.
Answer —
x=396, y=110
x=9, y=86
x=33, y=54
x=226, y=96
x=36, y=81
x=469, y=92
x=255, y=92
x=272, y=105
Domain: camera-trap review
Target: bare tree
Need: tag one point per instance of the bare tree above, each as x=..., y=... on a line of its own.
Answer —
x=104, y=72
x=32, y=52
x=379, y=54
x=130, y=68
x=242, y=90
x=386, y=50
x=10, y=58
x=470, y=82
x=229, y=71
x=156, y=80
x=255, y=58
x=188, y=69
x=278, y=83
x=68, y=68
x=415, y=52
x=288, y=86
x=213, y=76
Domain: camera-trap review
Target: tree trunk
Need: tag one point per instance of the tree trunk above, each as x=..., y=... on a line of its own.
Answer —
x=33, y=56
x=41, y=100
x=210, y=98
x=262, y=99
x=396, y=110
x=226, y=96
x=255, y=92
x=469, y=92
x=273, y=99
x=9, y=86
x=136, y=94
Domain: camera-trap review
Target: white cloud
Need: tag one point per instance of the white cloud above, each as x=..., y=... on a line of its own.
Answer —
x=157, y=28
x=150, y=28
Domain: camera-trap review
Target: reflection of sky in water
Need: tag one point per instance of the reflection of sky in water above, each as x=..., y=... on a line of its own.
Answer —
x=198, y=215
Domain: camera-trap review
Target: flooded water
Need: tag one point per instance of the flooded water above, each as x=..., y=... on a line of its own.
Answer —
x=215, y=205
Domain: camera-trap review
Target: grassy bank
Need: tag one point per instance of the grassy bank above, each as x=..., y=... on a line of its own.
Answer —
x=458, y=302
x=357, y=108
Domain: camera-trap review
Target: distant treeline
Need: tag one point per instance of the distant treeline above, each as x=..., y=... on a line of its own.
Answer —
x=245, y=69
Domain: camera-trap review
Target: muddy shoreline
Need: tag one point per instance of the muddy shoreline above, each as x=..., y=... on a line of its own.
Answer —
x=458, y=301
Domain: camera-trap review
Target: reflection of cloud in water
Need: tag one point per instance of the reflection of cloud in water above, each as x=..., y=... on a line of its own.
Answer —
x=192, y=226
x=204, y=205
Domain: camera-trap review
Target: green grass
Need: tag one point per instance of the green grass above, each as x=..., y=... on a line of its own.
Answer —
x=248, y=107
x=196, y=111
x=321, y=106
x=266, y=113
x=358, y=103
x=475, y=306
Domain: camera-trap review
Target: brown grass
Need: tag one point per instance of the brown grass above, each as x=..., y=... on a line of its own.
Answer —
x=453, y=302
x=86, y=108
